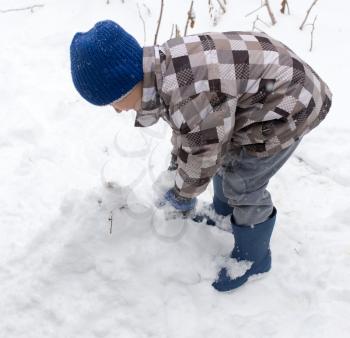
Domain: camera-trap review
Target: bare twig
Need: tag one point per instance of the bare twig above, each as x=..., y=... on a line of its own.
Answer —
x=222, y=5
x=143, y=24
x=255, y=10
x=108, y=2
x=216, y=11
x=255, y=27
x=147, y=9
x=254, y=24
x=111, y=222
x=267, y=5
x=31, y=8
x=211, y=8
x=307, y=14
x=297, y=252
x=190, y=18
x=312, y=34
x=272, y=17
x=159, y=21
x=284, y=5
x=177, y=31
x=172, y=31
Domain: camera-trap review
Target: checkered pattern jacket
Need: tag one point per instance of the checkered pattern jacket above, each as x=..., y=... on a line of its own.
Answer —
x=219, y=91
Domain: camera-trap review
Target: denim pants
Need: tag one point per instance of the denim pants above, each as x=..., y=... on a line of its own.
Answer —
x=242, y=181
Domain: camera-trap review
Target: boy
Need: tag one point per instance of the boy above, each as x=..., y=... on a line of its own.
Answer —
x=238, y=103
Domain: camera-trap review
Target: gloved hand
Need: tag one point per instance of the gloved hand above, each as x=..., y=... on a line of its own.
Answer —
x=176, y=206
x=173, y=163
x=180, y=203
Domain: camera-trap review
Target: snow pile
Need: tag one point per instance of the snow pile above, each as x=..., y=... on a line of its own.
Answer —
x=70, y=170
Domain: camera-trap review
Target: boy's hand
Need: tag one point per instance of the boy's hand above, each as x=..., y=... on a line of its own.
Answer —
x=180, y=203
x=173, y=163
x=183, y=206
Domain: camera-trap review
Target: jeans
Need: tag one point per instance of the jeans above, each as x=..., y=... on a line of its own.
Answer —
x=244, y=180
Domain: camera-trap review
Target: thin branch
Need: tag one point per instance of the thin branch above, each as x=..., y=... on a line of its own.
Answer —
x=255, y=27
x=307, y=14
x=267, y=5
x=216, y=11
x=312, y=34
x=284, y=5
x=223, y=8
x=255, y=10
x=190, y=18
x=272, y=17
x=143, y=23
x=147, y=9
x=254, y=24
x=211, y=8
x=159, y=21
x=31, y=8
x=177, y=31
x=172, y=31
x=111, y=222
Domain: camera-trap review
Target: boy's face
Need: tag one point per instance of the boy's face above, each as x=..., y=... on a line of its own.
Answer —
x=118, y=106
x=131, y=101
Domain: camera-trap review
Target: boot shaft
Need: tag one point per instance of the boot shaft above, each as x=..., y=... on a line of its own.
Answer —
x=252, y=243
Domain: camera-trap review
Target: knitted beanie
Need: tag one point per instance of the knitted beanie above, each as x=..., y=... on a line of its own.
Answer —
x=106, y=63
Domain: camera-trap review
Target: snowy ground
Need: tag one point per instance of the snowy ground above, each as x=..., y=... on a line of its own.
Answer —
x=62, y=274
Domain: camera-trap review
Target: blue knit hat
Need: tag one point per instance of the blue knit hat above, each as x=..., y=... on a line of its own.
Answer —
x=106, y=63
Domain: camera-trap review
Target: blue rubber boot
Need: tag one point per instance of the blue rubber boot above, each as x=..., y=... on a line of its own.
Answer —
x=220, y=204
x=251, y=244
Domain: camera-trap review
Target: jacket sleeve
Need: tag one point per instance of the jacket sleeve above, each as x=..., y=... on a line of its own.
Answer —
x=202, y=126
x=174, y=142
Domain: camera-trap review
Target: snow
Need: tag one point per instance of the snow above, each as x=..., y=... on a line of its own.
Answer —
x=67, y=167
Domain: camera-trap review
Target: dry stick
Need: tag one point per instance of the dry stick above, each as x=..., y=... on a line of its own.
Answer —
x=256, y=27
x=312, y=34
x=159, y=21
x=143, y=23
x=267, y=5
x=307, y=14
x=273, y=20
x=284, y=5
x=210, y=4
x=254, y=23
x=189, y=18
x=31, y=8
x=111, y=222
x=177, y=31
x=172, y=31
x=223, y=8
x=255, y=10
x=147, y=9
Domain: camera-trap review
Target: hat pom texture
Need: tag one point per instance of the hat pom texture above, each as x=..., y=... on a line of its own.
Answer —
x=106, y=63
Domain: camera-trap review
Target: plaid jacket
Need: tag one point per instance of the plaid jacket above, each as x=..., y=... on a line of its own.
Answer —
x=219, y=91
